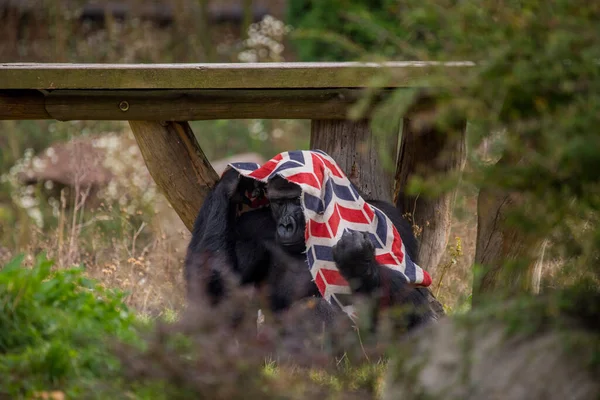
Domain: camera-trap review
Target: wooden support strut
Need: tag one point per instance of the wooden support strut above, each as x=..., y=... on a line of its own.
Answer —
x=177, y=164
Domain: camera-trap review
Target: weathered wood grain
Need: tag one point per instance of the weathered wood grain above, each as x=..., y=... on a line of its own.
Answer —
x=221, y=76
x=189, y=105
x=427, y=152
x=180, y=105
x=354, y=148
x=177, y=165
x=22, y=105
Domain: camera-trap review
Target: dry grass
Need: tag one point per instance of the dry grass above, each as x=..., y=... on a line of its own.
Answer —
x=455, y=269
x=149, y=269
x=125, y=234
x=139, y=246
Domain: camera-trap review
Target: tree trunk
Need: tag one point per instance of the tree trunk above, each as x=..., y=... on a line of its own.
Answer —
x=428, y=152
x=177, y=164
x=355, y=150
x=505, y=254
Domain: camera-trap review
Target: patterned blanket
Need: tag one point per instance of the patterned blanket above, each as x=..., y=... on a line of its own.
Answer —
x=331, y=206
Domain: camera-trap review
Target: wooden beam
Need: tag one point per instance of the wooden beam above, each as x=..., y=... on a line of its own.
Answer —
x=177, y=165
x=226, y=76
x=179, y=105
x=20, y=105
x=182, y=105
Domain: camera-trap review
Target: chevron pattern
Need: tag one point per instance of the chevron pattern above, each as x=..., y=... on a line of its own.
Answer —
x=332, y=206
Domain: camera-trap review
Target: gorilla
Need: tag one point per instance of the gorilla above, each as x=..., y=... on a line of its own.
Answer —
x=265, y=247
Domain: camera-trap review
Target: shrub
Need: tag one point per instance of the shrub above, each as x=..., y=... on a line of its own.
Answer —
x=62, y=332
x=55, y=329
x=342, y=30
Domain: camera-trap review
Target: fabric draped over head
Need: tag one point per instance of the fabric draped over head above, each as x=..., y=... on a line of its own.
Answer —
x=331, y=206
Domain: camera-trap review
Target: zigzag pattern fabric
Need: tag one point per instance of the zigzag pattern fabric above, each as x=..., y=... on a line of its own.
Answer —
x=332, y=205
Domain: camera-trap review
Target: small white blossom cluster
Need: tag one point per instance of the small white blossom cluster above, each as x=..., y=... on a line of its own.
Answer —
x=116, y=155
x=264, y=41
x=24, y=196
x=131, y=185
x=257, y=130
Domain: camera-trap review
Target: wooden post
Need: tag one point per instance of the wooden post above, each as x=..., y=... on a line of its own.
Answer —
x=426, y=151
x=177, y=165
x=354, y=148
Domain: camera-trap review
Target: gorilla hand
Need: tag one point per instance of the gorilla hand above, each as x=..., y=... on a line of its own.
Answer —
x=228, y=184
x=354, y=255
x=235, y=187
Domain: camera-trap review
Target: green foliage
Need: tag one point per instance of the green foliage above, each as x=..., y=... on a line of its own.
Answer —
x=55, y=329
x=455, y=253
x=342, y=30
x=566, y=309
x=534, y=91
x=61, y=332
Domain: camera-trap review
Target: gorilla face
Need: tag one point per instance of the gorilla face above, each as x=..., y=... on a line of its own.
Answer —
x=287, y=212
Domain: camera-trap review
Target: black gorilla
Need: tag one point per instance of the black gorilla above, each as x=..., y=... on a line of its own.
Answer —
x=265, y=247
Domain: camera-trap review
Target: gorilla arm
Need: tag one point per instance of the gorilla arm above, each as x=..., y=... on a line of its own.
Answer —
x=231, y=244
x=354, y=256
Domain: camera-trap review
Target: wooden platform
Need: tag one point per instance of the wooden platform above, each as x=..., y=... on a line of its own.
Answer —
x=184, y=92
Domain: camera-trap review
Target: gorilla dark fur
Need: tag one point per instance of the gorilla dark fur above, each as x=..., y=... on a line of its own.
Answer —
x=264, y=247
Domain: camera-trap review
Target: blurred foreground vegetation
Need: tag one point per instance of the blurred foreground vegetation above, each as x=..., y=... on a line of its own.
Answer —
x=66, y=335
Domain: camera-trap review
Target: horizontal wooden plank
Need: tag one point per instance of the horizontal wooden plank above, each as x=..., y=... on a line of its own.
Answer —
x=181, y=105
x=153, y=105
x=20, y=105
x=218, y=76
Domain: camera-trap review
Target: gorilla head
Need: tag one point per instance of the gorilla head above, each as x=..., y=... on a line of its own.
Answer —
x=287, y=212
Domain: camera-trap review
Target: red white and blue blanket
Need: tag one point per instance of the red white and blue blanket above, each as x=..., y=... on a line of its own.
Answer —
x=331, y=206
